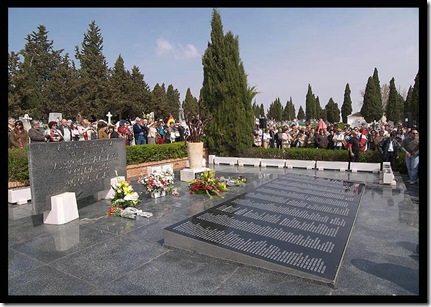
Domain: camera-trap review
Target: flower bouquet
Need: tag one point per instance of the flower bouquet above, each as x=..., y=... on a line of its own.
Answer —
x=157, y=183
x=124, y=196
x=208, y=184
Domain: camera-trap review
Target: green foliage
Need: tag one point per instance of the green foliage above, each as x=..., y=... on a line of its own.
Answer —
x=346, y=108
x=414, y=102
x=190, y=103
x=332, y=111
x=275, y=110
x=227, y=94
x=301, y=113
x=371, y=109
x=154, y=152
x=310, y=105
x=18, y=165
x=393, y=111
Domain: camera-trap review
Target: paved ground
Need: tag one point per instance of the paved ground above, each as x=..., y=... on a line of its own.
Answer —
x=97, y=258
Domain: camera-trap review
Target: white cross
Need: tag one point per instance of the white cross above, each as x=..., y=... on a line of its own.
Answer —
x=109, y=115
x=26, y=117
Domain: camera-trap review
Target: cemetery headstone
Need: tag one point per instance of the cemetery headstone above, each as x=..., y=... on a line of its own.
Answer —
x=85, y=168
x=26, y=121
x=57, y=117
x=109, y=115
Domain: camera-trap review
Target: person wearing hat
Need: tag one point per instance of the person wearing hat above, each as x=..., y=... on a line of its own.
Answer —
x=18, y=136
x=11, y=125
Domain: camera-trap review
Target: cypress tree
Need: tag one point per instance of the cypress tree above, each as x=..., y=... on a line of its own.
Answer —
x=173, y=101
x=262, y=110
x=93, y=74
x=392, y=108
x=160, y=101
x=140, y=94
x=310, y=105
x=301, y=113
x=332, y=111
x=378, y=91
x=121, y=87
x=13, y=96
x=371, y=109
x=414, y=103
x=275, y=111
x=190, y=103
x=346, y=108
x=226, y=93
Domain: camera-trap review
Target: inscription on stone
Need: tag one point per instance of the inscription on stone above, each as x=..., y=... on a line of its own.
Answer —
x=84, y=167
x=295, y=224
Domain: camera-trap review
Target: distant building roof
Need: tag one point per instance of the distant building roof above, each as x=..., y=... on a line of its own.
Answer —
x=357, y=114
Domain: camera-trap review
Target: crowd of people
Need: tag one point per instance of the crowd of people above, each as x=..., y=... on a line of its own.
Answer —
x=139, y=132
x=388, y=140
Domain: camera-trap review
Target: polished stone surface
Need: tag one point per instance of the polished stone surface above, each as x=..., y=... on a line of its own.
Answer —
x=103, y=259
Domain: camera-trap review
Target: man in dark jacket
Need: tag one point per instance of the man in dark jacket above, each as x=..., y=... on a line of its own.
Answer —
x=388, y=149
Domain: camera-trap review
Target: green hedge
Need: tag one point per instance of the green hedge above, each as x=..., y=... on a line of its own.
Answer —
x=18, y=163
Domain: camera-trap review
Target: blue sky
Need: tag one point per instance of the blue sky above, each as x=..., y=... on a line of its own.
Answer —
x=282, y=49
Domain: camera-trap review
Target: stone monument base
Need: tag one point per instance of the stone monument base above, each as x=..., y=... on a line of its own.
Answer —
x=189, y=174
x=63, y=209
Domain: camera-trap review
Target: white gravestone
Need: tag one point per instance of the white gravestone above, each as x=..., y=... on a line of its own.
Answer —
x=56, y=117
x=109, y=115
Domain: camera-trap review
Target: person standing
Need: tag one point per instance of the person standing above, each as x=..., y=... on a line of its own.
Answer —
x=11, y=125
x=102, y=130
x=353, y=147
x=410, y=146
x=35, y=133
x=54, y=133
x=65, y=130
x=18, y=136
x=388, y=149
x=338, y=139
x=139, y=132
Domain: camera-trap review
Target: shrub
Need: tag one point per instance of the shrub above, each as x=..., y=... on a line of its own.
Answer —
x=18, y=165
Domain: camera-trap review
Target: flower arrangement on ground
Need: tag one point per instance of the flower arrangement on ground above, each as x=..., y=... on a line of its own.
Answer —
x=124, y=196
x=161, y=182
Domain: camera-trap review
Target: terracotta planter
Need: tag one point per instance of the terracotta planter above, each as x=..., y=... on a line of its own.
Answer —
x=195, y=153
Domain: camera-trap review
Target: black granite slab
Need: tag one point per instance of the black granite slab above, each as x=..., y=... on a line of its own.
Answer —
x=294, y=224
x=84, y=167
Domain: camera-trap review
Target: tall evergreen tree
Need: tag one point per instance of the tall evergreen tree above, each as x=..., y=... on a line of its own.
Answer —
x=301, y=113
x=275, y=111
x=121, y=102
x=13, y=96
x=332, y=111
x=160, y=102
x=414, y=102
x=190, y=103
x=310, y=105
x=173, y=102
x=93, y=74
x=226, y=92
x=140, y=94
x=407, y=104
x=393, y=112
x=39, y=66
x=346, y=108
x=371, y=108
x=262, y=110
x=378, y=91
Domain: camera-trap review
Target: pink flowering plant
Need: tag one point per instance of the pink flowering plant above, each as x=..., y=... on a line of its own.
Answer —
x=157, y=181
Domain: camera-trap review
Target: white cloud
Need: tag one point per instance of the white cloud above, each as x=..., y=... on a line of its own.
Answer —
x=165, y=48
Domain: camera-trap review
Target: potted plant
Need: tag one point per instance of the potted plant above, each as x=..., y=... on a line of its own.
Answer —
x=196, y=123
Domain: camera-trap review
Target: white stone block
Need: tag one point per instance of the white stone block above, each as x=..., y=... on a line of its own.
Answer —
x=280, y=163
x=154, y=169
x=211, y=159
x=19, y=195
x=226, y=160
x=169, y=167
x=365, y=166
x=388, y=176
x=334, y=165
x=63, y=209
x=204, y=163
x=308, y=164
x=249, y=161
x=188, y=174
